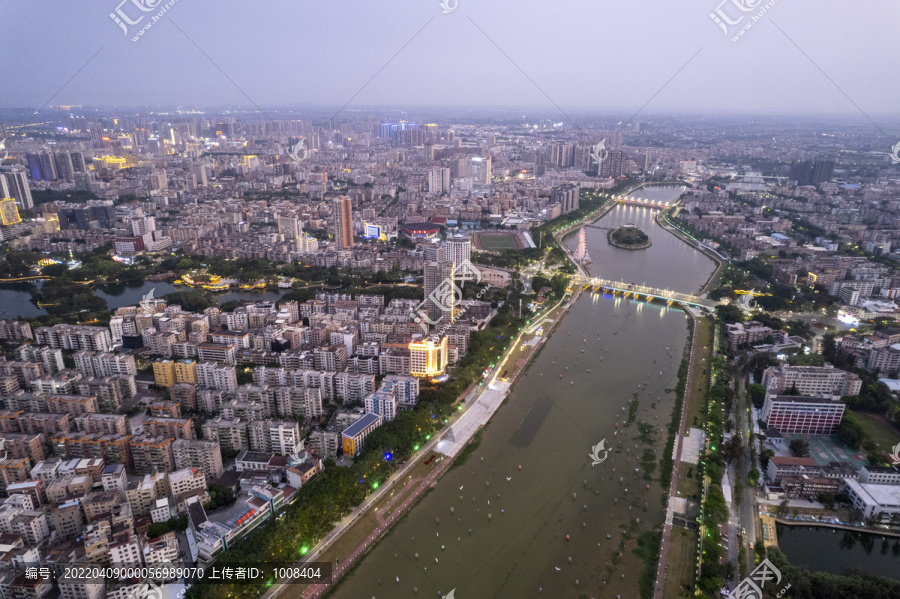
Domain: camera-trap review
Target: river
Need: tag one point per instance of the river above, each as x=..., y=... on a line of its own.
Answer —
x=548, y=426
x=835, y=551
x=15, y=302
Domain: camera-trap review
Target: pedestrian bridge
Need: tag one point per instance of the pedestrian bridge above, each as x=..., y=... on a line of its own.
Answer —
x=644, y=292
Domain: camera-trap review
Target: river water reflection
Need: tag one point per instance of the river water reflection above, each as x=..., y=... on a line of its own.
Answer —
x=605, y=353
x=836, y=551
x=16, y=302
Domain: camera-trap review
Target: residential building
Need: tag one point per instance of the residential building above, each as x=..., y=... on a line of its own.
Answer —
x=205, y=455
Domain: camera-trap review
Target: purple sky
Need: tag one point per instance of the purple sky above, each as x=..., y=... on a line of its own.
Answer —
x=600, y=55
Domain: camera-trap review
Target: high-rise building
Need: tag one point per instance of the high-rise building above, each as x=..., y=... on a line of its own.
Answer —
x=78, y=162
x=290, y=227
x=159, y=181
x=440, y=297
x=428, y=358
x=9, y=211
x=14, y=184
x=614, y=164
x=439, y=180
x=480, y=170
x=343, y=222
x=822, y=172
x=199, y=171
x=562, y=155
x=457, y=249
x=65, y=167
x=80, y=218
x=566, y=196
x=812, y=173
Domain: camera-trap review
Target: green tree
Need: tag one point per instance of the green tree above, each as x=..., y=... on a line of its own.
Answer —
x=799, y=448
x=757, y=394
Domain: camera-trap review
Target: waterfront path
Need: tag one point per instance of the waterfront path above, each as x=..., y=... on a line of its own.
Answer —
x=384, y=525
x=662, y=567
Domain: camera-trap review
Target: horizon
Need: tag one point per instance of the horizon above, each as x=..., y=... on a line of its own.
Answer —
x=411, y=53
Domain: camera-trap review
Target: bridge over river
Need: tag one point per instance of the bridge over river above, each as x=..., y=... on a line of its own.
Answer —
x=642, y=291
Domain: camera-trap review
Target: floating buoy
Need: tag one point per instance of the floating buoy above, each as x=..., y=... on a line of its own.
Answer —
x=567, y=537
x=520, y=466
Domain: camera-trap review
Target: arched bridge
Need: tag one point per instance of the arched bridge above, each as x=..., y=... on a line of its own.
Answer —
x=642, y=291
x=647, y=202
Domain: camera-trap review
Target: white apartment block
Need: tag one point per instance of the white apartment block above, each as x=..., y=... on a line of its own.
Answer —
x=126, y=552
x=186, y=480
x=274, y=436
x=811, y=380
x=161, y=550
x=383, y=404
x=76, y=337
x=51, y=359
x=213, y=375
x=90, y=363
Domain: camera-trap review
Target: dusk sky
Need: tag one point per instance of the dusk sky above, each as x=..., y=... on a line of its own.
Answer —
x=583, y=55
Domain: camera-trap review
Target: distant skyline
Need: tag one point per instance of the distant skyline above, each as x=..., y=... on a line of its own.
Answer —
x=560, y=58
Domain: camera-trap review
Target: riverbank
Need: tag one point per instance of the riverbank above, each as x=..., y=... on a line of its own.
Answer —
x=816, y=524
x=663, y=221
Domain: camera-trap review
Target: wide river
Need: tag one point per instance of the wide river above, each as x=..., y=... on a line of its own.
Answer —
x=548, y=426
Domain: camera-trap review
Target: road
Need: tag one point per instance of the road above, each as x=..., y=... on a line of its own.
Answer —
x=747, y=509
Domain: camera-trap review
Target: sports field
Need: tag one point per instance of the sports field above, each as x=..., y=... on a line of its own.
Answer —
x=880, y=430
x=498, y=242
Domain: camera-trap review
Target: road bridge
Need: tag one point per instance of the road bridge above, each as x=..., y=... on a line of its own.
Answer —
x=645, y=292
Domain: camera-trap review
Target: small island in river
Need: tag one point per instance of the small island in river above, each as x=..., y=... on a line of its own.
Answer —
x=629, y=237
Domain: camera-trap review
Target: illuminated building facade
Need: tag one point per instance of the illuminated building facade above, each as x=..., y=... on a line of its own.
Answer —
x=427, y=358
